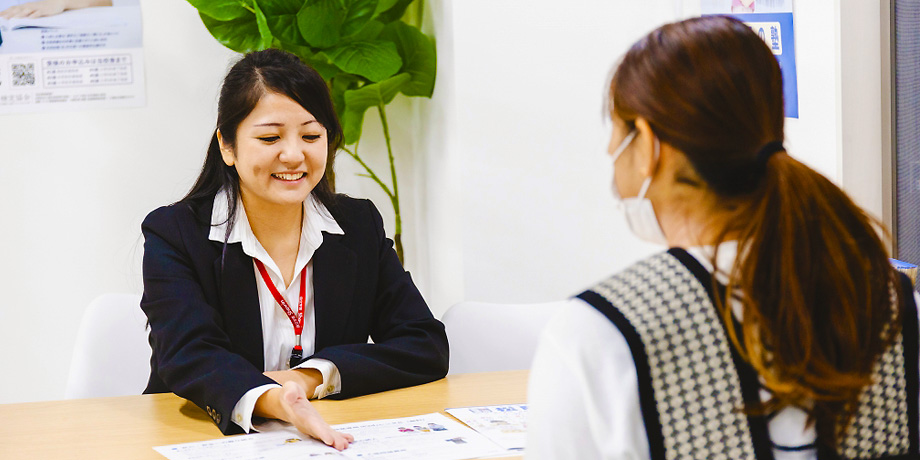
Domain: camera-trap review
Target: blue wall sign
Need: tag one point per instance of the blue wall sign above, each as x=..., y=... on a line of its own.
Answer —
x=778, y=32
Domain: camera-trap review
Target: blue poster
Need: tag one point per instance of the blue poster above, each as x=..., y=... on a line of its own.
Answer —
x=777, y=30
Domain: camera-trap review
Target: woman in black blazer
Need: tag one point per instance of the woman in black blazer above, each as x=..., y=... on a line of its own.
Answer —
x=261, y=203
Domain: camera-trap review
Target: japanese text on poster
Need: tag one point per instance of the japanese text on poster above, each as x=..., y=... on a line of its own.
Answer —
x=81, y=58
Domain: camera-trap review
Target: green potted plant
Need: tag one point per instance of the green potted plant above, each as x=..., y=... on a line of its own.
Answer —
x=367, y=51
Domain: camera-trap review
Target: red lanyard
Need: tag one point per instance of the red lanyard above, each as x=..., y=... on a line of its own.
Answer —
x=296, y=320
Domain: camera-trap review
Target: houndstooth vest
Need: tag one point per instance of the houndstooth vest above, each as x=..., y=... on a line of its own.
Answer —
x=692, y=382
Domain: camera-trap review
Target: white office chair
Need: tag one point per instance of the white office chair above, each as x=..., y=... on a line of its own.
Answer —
x=488, y=337
x=111, y=356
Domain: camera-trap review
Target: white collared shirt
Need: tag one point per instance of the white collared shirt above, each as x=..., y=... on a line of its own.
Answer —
x=277, y=331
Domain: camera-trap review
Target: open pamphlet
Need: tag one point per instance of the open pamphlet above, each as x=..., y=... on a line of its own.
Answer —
x=505, y=425
x=424, y=437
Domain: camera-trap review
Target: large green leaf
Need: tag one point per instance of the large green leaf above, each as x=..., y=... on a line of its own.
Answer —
x=384, y=5
x=281, y=16
x=240, y=35
x=359, y=13
x=357, y=101
x=320, y=62
x=265, y=35
x=394, y=12
x=222, y=10
x=339, y=84
x=374, y=60
x=370, y=32
x=280, y=7
x=284, y=27
x=418, y=55
x=320, y=22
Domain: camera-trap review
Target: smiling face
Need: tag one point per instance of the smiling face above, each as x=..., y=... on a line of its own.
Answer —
x=279, y=153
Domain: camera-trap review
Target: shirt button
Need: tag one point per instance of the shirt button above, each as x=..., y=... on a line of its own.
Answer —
x=330, y=389
x=239, y=418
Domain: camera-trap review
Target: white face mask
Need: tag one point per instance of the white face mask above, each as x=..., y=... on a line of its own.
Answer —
x=639, y=213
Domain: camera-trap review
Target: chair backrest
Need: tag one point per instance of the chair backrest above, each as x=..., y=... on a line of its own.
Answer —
x=495, y=337
x=111, y=356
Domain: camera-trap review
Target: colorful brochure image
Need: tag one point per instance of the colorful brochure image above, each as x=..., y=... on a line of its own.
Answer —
x=424, y=437
x=505, y=425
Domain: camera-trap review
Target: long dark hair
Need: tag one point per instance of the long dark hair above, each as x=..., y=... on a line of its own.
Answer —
x=812, y=272
x=247, y=81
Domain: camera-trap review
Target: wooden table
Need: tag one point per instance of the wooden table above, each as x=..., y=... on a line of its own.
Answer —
x=128, y=427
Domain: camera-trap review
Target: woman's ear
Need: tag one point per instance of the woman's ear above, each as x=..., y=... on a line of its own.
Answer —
x=225, y=151
x=645, y=148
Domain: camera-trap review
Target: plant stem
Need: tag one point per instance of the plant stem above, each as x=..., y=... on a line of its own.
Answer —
x=394, y=197
x=370, y=172
x=419, y=13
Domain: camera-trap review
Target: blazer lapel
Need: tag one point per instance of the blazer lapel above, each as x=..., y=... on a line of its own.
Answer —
x=334, y=267
x=240, y=299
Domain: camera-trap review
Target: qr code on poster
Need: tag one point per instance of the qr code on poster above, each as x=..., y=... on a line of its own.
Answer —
x=24, y=74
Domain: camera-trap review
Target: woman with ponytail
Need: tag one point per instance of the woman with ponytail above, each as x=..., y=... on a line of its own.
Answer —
x=774, y=327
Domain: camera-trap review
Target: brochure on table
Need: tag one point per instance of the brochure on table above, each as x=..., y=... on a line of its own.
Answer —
x=424, y=437
x=506, y=425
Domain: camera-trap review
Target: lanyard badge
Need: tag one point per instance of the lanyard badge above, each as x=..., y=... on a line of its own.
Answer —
x=296, y=319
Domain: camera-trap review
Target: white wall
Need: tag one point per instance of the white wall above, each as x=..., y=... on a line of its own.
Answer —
x=78, y=184
x=504, y=172
x=859, y=122
x=530, y=142
x=529, y=192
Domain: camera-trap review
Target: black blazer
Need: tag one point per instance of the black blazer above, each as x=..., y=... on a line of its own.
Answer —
x=205, y=321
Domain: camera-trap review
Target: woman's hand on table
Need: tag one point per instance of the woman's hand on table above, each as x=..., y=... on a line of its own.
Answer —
x=300, y=413
x=291, y=404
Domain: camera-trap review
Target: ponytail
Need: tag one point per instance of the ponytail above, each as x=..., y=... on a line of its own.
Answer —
x=820, y=298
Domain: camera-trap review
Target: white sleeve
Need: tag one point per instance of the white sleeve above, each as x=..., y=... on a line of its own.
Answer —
x=332, y=380
x=583, y=397
x=242, y=411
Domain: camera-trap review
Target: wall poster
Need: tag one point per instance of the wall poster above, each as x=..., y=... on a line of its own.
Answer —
x=70, y=54
x=773, y=21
